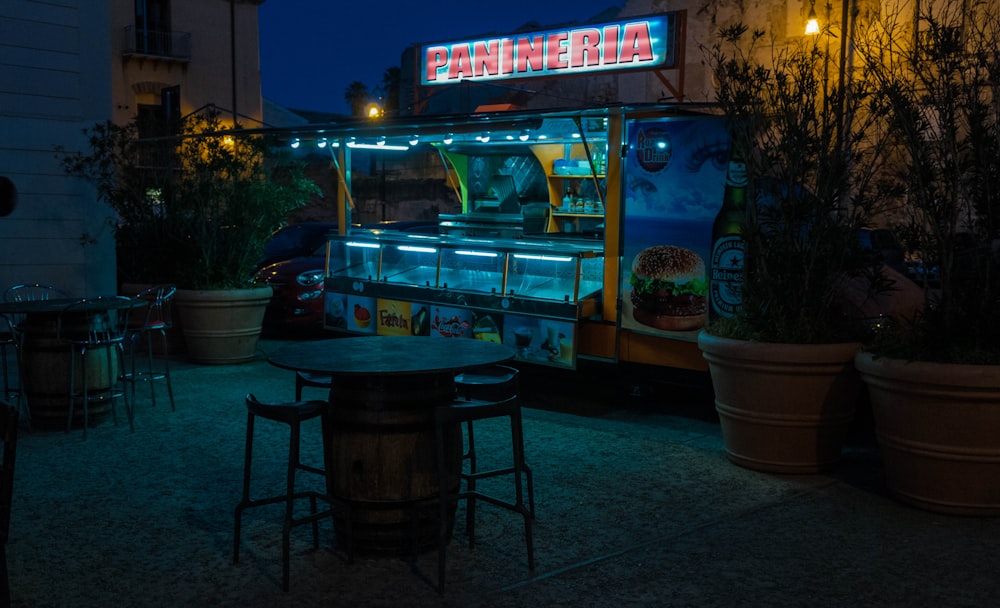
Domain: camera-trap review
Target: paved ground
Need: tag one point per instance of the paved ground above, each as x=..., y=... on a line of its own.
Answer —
x=637, y=506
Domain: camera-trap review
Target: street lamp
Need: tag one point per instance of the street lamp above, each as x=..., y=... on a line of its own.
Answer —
x=812, y=23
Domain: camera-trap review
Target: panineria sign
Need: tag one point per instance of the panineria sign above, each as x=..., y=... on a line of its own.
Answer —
x=639, y=43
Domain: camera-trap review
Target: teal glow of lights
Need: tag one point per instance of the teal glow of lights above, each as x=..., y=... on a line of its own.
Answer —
x=544, y=258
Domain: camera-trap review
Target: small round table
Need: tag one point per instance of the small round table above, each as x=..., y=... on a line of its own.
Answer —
x=378, y=434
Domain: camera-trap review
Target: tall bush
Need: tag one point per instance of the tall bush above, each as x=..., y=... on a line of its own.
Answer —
x=939, y=93
x=813, y=159
x=196, y=209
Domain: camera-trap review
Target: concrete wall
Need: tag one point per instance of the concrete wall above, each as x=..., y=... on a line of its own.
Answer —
x=209, y=76
x=54, y=81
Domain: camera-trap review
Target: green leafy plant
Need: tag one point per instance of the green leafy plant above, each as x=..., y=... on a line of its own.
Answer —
x=194, y=210
x=812, y=162
x=940, y=101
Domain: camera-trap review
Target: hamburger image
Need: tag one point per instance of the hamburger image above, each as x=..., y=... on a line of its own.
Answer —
x=669, y=288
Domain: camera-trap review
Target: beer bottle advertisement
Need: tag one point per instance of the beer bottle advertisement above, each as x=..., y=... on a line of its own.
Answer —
x=726, y=259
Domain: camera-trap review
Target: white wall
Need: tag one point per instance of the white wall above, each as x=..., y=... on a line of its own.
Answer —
x=54, y=81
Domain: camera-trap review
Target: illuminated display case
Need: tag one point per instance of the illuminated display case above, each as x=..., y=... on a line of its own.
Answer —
x=529, y=293
x=409, y=263
x=472, y=269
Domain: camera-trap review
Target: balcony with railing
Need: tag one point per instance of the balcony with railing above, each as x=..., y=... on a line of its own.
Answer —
x=171, y=46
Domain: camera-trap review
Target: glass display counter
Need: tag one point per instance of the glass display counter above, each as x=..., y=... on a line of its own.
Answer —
x=527, y=292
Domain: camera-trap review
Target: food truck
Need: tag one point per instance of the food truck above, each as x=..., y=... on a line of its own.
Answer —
x=566, y=217
x=579, y=233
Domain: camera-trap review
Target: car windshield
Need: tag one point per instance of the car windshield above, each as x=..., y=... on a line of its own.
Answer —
x=292, y=239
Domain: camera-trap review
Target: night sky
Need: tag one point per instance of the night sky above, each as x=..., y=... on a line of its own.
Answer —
x=311, y=50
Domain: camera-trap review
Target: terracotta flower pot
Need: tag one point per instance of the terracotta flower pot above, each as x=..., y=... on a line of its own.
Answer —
x=783, y=408
x=938, y=428
x=222, y=326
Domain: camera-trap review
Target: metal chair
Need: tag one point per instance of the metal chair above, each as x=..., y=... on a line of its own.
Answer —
x=8, y=436
x=142, y=325
x=293, y=414
x=467, y=411
x=29, y=292
x=88, y=327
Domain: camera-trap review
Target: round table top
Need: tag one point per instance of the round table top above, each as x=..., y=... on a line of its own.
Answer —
x=57, y=305
x=389, y=355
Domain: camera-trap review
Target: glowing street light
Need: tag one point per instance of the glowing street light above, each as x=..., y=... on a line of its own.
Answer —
x=812, y=23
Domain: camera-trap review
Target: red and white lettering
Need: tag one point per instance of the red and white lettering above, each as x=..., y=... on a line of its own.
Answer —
x=585, y=48
x=530, y=54
x=637, y=45
x=556, y=51
x=611, y=44
x=436, y=57
x=486, y=58
x=460, y=65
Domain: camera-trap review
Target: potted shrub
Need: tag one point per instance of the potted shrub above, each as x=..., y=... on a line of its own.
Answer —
x=195, y=210
x=782, y=365
x=934, y=378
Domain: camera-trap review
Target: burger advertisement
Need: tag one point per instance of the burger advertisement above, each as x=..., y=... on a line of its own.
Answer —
x=669, y=290
x=675, y=172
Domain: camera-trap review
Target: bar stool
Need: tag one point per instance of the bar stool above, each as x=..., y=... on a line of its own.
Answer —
x=89, y=326
x=292, y=414
x=488, y=383
x=304, y=379
x=141, y=327
x=468, y=411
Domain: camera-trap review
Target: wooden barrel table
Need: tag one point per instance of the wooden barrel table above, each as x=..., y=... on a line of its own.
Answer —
x=378, y=434
x=383, y=461
x=46, y=360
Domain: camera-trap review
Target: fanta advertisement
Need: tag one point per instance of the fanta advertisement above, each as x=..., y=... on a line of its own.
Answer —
x=639, y=43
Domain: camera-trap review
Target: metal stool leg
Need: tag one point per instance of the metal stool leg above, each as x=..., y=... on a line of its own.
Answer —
x=470, y=509
x=245, y=497
x=166, y=370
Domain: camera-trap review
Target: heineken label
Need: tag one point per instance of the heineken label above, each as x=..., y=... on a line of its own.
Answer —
x=726, y=281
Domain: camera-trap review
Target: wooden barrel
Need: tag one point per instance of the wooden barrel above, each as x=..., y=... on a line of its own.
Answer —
x=382, y=460
x=47, y=361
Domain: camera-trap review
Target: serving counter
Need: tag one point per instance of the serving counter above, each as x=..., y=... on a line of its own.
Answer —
x=528, y=293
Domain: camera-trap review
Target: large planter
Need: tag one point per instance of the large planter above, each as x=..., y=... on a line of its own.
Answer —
x=783, y=408
x=222, y=326
x=938, y=428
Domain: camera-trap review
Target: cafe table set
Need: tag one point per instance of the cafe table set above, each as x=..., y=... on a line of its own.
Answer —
x=393, y=443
